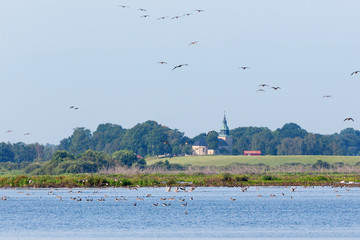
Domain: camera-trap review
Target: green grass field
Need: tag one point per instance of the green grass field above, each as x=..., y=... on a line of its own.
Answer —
x=272, y=161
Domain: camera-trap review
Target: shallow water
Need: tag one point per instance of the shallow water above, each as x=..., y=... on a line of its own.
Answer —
x=311, y=213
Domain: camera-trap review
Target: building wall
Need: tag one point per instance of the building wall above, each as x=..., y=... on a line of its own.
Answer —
x=228, y=140
x=200, y=150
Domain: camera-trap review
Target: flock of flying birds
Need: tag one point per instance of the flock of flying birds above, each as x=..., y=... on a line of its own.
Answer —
x=262, y=86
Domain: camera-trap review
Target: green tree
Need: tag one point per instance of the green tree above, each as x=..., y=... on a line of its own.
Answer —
x=6, y=153
x=107, y=137
x=212, y=139
x=80, y=140
x=125, y=157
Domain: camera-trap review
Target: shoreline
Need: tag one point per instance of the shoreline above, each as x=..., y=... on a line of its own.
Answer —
x=181, y=180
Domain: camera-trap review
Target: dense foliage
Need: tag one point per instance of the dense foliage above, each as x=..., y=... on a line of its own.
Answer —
x=112, y=145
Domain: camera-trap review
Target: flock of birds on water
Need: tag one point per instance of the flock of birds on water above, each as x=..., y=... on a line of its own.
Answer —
x=262, y=86
x=164, y=201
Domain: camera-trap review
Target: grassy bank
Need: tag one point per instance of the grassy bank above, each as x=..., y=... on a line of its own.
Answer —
x=160, y=180
x=272, y=161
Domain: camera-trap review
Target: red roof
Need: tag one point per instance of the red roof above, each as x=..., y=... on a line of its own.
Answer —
x=252, y=153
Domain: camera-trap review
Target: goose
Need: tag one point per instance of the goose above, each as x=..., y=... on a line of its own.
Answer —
x=180, y=65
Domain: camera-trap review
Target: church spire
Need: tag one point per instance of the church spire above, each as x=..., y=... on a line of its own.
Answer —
x=224, y=130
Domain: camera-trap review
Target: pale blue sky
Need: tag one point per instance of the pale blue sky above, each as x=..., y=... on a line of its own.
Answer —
x=103, y=58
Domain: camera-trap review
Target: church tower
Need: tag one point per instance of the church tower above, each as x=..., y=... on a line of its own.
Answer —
x=225, y=140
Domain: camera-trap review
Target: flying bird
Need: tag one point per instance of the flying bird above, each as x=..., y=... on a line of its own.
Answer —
x=145, y=16
x=356, y=72
x=199, y=10
x=187, y=14
x=193, y=43
x=26, y=134
x=8, y=131
x=263, y=85
x=123, y=6
x=244, y=68
x=260, y=90
x=276, y=88
x=162, y=62
x=179, y=66
x=176, y=17
x=142, y=9
x=327, y=96
x=162, y=18
x=348, y=119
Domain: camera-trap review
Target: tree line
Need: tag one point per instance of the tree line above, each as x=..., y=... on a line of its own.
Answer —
x=153, y=139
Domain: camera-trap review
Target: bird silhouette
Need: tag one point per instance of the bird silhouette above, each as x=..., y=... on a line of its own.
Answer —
x=244, y=68
x=142, y=9
x=123, y=6
x=356, y=72
x=187, y=14
x=162, y=62
x=263, y=85
x=327, y=96
x=145, y=16
x=162, y=18
x=8, y=131
x=260, y=90
x=276, y=88
x=26, y=134
x=193, y=43
x=179, y=66
x=199, y=10
x=176, y=17
x=349, y=119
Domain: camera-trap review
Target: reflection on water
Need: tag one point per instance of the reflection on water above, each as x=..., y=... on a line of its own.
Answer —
x=320, y=212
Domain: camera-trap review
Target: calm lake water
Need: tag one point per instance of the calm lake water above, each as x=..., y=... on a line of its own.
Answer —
x=311, y=213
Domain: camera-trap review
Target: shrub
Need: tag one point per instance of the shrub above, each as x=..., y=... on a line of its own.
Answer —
x=226, y=177
x=241, y=179
x=268, y=178
x=321, y=179
x=321, y=164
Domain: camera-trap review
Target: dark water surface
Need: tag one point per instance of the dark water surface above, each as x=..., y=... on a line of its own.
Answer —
x=311, y=213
